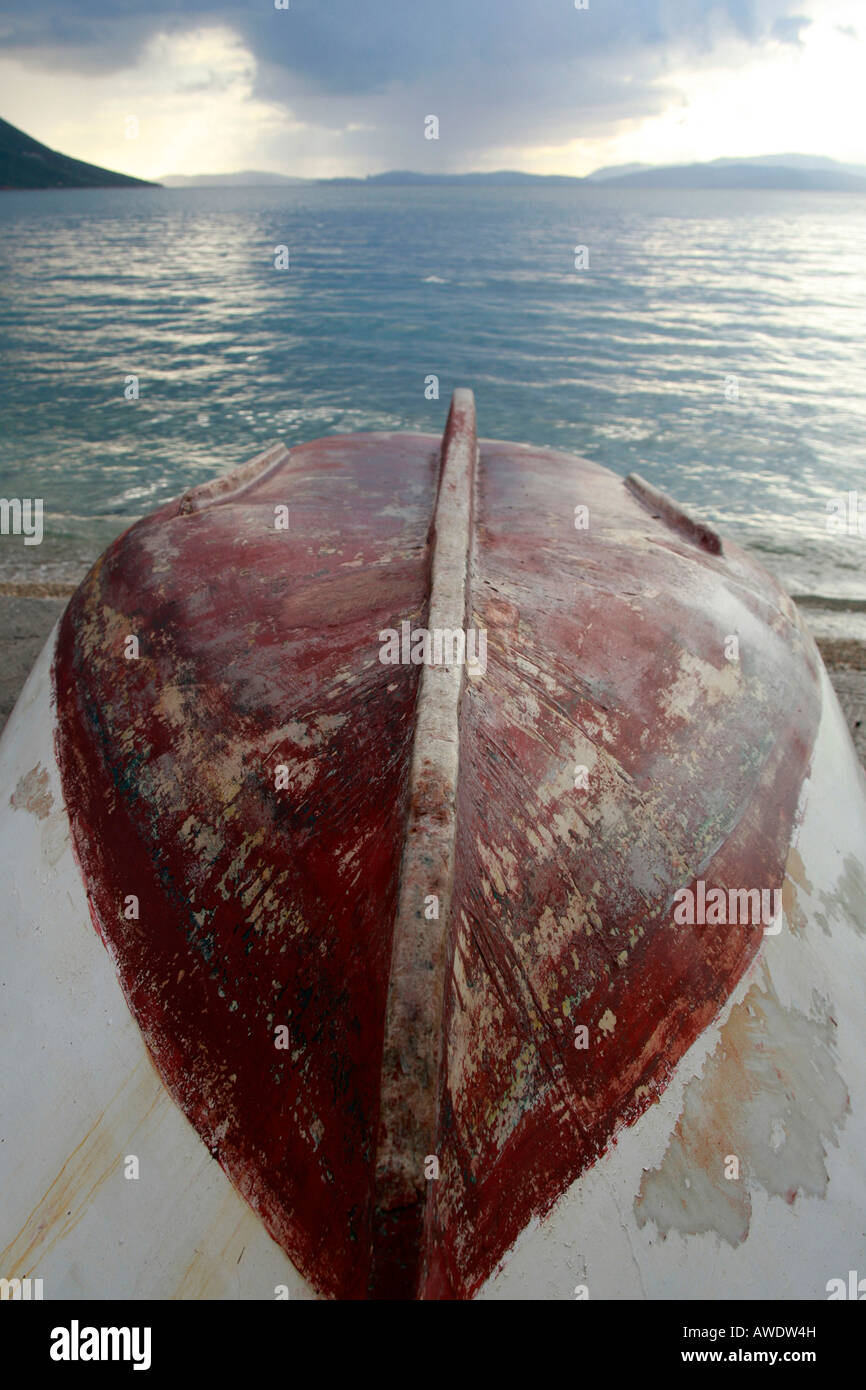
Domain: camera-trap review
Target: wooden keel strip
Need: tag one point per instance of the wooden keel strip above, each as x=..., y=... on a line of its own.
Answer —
x=231, y=486
x=660, y=505
x=413, y=1024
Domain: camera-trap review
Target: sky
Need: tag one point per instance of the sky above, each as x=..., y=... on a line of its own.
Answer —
x=325, y=88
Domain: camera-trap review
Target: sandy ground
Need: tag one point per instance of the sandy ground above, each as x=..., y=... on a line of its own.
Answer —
x=24, y=627
x=27, y=619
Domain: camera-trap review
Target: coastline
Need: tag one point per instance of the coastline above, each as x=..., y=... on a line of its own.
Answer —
x=29, y=611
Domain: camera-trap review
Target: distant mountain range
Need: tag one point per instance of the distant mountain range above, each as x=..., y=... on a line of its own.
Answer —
x=25, y=163
x=504, y=177
x=744, y=167
x=792, y=171
x=797, y=172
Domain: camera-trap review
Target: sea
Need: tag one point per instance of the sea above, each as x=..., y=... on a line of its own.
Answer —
x=711, y=341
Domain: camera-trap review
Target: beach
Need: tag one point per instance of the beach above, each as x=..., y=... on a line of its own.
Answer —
x=29, y=611
x=25, y=622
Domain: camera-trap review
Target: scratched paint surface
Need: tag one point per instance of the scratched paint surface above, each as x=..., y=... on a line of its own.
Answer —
x=258, y=907
x=263, y=906
x=606, y=650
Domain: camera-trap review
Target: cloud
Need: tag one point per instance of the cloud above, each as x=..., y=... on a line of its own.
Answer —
x=790, y=28
x=360, y=46
x=355, y=78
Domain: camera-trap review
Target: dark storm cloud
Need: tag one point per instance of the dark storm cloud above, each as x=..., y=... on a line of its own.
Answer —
x=499, y=72
x=357, y=45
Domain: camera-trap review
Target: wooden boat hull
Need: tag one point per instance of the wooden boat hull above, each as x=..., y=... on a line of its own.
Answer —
x=434, y=880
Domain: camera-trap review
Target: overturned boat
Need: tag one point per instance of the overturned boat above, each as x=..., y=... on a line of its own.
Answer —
x=433, y=870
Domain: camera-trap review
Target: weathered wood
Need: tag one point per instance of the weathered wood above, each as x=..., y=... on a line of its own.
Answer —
x=416, y=991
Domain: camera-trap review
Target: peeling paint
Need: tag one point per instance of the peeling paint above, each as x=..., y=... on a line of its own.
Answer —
x=848, y=900
x=33, y=793
x=770, y=1095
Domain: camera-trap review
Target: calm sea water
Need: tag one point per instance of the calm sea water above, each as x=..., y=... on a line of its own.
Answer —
x=715, y=344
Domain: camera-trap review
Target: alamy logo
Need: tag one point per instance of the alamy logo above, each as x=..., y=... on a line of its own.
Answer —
x=444, y=646
x=846, y=515
x=20, y=1290
x=22, y=517
x=856, y=1288
x=75, y=1343
x=715, y=907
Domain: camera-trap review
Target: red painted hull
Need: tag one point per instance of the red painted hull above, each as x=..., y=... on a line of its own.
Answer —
x=262, y=906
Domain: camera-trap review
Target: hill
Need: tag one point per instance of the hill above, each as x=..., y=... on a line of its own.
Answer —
x=25, y=163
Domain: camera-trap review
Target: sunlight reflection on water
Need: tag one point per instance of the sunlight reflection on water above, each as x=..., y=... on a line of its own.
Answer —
x=625, y=362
